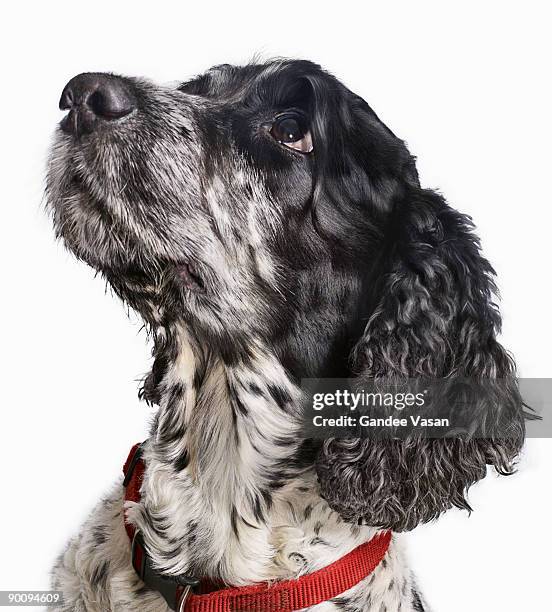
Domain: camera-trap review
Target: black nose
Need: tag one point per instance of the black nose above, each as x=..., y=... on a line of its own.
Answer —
x=92, y=99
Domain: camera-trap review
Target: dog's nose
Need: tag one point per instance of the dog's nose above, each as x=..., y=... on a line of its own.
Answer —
x=93, y=98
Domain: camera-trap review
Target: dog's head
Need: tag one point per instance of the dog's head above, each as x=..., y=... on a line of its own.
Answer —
x=245, y=201
x=269, y=202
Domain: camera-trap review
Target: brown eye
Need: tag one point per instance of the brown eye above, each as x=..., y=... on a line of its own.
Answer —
x=292, y=132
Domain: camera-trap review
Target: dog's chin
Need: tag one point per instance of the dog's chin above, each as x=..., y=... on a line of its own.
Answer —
x=134, y=264
x=159, y=291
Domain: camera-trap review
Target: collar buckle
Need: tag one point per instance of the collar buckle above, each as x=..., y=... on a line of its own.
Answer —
x=174, y=589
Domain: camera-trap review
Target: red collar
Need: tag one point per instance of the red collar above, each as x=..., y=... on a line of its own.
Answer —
x=285, y=596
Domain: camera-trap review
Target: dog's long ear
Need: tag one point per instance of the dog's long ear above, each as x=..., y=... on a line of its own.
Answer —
x=434, y=317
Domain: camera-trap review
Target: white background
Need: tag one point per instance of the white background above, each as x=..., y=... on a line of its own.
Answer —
x=465, y=83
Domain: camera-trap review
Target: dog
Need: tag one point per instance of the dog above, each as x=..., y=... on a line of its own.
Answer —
x=269, y=228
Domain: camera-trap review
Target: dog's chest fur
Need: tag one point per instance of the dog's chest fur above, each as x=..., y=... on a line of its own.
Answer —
x=226, y=494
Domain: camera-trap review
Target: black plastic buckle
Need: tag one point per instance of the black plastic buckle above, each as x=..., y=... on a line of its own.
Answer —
x=174, y=589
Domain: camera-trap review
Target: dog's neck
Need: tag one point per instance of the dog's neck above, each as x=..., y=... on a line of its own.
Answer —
x=222, y=420
x=225, y=449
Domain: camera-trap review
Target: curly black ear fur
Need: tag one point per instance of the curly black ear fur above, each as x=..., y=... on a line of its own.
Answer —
x=435, y=318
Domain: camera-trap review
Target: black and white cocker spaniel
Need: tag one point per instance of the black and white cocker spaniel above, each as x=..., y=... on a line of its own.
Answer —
x=268, y=228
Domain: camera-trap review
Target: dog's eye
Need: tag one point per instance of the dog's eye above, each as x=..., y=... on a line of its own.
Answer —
x=292, y=131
